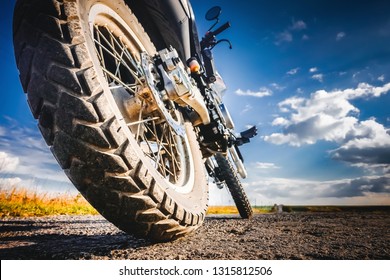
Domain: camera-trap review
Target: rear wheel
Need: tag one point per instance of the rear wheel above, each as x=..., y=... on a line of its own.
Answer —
x=80, y=63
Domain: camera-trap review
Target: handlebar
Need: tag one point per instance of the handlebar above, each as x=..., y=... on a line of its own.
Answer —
x=207, y=43
x=209, y=39
x=221, y=29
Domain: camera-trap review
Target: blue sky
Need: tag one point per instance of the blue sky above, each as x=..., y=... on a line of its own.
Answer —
x=312, y=75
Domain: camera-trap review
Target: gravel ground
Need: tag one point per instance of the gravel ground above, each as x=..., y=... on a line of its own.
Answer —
x=336, y=235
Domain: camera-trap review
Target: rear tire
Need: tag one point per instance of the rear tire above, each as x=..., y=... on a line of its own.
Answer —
x=68, y=91
x=228, y=175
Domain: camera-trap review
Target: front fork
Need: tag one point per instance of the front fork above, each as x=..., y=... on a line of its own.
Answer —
x=238, y=162
x=235, y=155
x=215, y=172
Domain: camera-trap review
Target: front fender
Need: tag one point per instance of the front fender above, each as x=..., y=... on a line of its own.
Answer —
x=168, y=23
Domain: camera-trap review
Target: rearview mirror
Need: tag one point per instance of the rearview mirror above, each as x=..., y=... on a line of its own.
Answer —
x=213, y=13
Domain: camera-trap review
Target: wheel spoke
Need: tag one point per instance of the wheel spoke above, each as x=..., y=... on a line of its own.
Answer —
x=117, y=72
x=122, y=68
x=115, y=78
x=159, y=146
x=129, y=56
x=115, y=55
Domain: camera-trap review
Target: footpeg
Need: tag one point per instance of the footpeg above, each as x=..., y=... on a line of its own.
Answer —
x=246, y=136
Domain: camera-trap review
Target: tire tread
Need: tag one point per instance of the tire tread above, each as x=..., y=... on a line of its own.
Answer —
x=229, y=175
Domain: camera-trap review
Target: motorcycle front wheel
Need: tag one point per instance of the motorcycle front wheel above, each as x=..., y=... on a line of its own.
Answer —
x=80, y=65
x=228, y=175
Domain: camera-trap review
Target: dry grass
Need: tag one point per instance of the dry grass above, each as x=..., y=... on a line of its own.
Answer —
x=226, y=210
x=19, y=202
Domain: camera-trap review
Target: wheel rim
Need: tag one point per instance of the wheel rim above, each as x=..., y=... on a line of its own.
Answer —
x=118, y=51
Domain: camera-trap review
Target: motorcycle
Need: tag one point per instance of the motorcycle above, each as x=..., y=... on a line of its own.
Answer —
x=130, y=103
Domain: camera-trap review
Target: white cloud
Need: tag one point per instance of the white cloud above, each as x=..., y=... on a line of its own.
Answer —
x=367, y=145
x=292, y=103
x=277, y=87
x=381, y=78
x=298, y=25
x=266, y=165
x=282, y=37
x=354, y=75
x=340, y=36
x=10, y=182
x=365, y=90
x=26, y=155
x=286, y=36
x=247, y=108
x=2, y=131
x=279, y=121
x=330, y=116
x=370, y=189
x=293, y=71
x=8, y=163
x=318, y=77
x=313, y=69
x=263, y=91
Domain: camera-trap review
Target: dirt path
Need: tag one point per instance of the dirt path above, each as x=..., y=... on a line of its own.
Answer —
x=345, y=235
